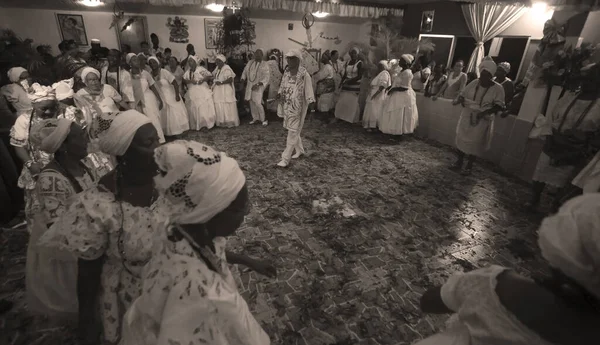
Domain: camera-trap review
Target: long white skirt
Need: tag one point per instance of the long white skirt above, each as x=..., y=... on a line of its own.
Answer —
x=174, y=116
x=151, y=110
x=201, y=107
x=474, y=140
x=227, y=114
x=400, y=114
x=50, y=278
x=347, y=107
x=373, y=110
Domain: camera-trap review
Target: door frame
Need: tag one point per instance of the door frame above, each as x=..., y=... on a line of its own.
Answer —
x=452, y=46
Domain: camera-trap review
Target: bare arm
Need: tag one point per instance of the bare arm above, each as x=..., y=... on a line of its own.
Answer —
x=22, y=153
x=155, y=91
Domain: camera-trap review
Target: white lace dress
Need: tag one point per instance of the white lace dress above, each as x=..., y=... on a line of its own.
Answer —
x=481, y=317
x=93, y=226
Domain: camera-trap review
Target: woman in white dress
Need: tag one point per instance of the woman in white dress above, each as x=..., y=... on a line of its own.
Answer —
x=174, y=117
x=325, y=85
x=224, y=94
x=481, y=99
x=347, y=107
x=376, y=99
x=456, y=82
x=173, y=67
x=116, y=76
x=95, y=97
x=146, y=96
x=199, y=97
x=400, y=115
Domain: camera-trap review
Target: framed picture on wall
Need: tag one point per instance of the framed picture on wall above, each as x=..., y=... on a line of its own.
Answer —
x=71, y=27
x=427, y=21
x=131, y=32
x=211, y=32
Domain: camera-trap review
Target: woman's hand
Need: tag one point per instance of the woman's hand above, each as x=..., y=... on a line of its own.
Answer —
x=264, y=267
x=177, y=97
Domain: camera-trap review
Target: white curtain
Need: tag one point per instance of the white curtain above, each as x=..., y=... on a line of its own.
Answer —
x=486, y=21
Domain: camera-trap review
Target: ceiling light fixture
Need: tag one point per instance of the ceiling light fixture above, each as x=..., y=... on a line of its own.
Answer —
x=215, y=7
x=320, y=14
x=91, y=3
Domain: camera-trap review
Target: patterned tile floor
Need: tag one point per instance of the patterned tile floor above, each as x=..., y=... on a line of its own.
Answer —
x=346, y=280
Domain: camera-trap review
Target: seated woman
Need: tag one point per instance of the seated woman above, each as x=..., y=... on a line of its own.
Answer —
x=51, y=275
x=95, y=97
x=496, y=305
x=189, y=294
x=16, y=92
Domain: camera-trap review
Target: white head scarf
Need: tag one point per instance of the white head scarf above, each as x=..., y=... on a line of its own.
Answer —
x=199, y=181
x=385, y=64
x=49, y=135
x=128, y=57
x=488, y=64
x=570, y=241
x=155, y=59
x=222, y=58
x=409, y=58
x=116, y=131
x=14, y=74
x=294, y=53
x=86, y=71
x=64, y=89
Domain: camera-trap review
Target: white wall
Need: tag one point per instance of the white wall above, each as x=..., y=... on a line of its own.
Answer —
x=530, y=24
x=591, y=30
x=41, y=26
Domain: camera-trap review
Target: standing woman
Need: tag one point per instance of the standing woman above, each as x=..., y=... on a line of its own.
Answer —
x=111, y=228
x=347, y=107
x=199, y=97
x=173, y=67
x=51, y=275
x=174, y=117
x=456, y=82
x=400, y=114
x=507, y=84
x=224, y=94
x=145, y=93
x=274, y=81
x=436, y=81
x=376, y=98
x=481, y=100
x=119, y=78
x=16, y=92
x=296, y=97
x=325, y=85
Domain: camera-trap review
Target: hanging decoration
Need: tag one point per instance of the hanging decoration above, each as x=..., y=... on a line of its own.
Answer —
x=235, y=30
x=178, y=30
x=307, y=22
x=336, y=40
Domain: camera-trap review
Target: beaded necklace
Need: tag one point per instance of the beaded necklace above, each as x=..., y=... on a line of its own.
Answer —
x=250, y=79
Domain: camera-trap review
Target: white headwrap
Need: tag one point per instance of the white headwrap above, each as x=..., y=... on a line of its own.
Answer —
x=488, y=64
x=355, y=49
x=385, y=64
x=222, y=58
x=409, y=58
x=505, y=66
x=49, y=135
x=155, y=59
x=116, y=131
x=128, y=57
x=86, y=71
x=199, y=181
x=570, y=241
x=294, y=53
x=14, y=74
x=39, y=93
x=64, y=89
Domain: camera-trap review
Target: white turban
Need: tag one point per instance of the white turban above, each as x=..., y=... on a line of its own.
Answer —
x=488, y=64
x=155, y=59
x=64, y=89
x=408, y=58
x=40, y=93
x=14, y=74
x=385, y=64
x=294, y=53
x=199, y=181
x=116, y=131
x=49, y=135
x=86, y=71
x=222, y=58
x=128, y=57
x=570, y=241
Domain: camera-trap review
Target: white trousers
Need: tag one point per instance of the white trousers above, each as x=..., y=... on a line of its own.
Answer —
x=294, y=142
x=256, y=106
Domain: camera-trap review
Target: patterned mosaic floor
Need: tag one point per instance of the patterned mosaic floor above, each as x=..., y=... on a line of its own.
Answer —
x=346, y=280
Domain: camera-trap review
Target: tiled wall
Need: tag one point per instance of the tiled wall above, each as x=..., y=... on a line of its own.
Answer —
x=511, y=148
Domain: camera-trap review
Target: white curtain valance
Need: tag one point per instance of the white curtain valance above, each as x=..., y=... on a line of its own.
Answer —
x=557, y=5
x=333, y=8
x=486, y=21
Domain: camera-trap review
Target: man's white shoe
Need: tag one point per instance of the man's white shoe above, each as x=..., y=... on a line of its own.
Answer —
x=282, y=164
x=297, y=155
x=265, y=123
x=253, y=122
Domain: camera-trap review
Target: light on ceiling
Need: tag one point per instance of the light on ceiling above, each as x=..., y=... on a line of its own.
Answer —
x=540, y=10
x=320, y=14
x=215, y=7
x=91, y=3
